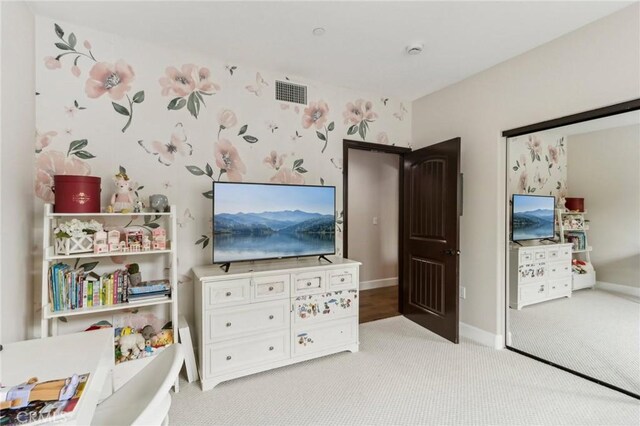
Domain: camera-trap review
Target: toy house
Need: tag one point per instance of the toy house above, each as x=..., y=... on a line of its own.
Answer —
x=159, y=239
x=100, y=242
x=114, y=240
x=146, y=243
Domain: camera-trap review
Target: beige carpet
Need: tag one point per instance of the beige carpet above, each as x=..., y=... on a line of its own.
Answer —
x=594, y=332
x=404, y=374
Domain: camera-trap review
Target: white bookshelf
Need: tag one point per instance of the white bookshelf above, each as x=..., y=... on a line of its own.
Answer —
x=579, y=281
x=50, y=318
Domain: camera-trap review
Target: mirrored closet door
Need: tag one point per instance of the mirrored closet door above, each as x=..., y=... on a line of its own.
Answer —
x=573, y=244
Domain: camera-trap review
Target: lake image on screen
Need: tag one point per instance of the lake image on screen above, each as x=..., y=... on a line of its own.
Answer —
x=270, y=221
x=533, y=217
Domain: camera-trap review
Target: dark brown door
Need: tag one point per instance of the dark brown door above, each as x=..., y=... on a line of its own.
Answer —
x=432, y=207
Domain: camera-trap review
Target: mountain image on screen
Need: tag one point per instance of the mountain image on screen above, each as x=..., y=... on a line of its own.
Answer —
x=272, y=234
x=532, y=224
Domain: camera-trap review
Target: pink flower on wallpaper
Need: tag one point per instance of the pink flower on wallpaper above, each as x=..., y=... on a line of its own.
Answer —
x=523, y=160
x=203, y=82
x=113, y=79
x=274, y=160
x=75, y=70
x=315, y=115
x=358, y=111
x=287, y=176
x=382, y=138
x=553, y=154
x=534, y=144
x=51, y=163
x=43, y=140
x=228, y=159
x=186, y=80
x=87, y=45
x=523, y=181
x=52, y=63
x=227, y=119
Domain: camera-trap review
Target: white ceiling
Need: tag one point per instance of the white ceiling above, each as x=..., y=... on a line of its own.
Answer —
x=363, y=47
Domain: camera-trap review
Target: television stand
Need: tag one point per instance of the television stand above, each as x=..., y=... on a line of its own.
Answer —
x=325, y=258
x=550, y=240
x=225, y=266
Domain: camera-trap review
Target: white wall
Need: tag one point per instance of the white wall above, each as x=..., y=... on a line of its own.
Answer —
x=373, y=192
x=595, y=66
x=17, y=121
x=604, y=169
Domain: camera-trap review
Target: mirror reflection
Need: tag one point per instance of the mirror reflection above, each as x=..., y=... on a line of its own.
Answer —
x=573, y=203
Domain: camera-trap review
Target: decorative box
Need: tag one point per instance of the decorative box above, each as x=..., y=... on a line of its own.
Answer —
x=71, y=245
x=76, y=194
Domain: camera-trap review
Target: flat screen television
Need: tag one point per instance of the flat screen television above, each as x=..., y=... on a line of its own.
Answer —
x=532, y=217
x=256, y=221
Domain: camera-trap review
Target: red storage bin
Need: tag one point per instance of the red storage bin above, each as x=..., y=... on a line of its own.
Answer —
x=574, y=204
x=76, y=194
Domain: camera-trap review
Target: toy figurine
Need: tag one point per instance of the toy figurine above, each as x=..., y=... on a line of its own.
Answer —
x=132, y=344
x=122, y=200
x=138, y=206
x=159, y=203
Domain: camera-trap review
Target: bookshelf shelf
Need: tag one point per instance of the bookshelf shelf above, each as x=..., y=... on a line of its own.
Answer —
x=51, y=257
x=97, y=309
x=576, y=233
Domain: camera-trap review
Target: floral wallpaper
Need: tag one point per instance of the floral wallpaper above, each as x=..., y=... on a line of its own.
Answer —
x=176, y=120
x=537, y=165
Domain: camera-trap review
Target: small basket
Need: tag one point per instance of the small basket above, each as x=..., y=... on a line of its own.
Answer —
x=72, y=245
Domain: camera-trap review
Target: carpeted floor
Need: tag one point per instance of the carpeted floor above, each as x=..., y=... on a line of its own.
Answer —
x=405, y=374
x=594, y=332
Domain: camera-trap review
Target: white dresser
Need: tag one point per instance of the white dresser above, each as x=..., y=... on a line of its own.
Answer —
x=539, y=273
x=265, y=315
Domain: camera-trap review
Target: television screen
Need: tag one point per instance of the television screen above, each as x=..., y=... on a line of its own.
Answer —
x=254, y=221
x=532, y=217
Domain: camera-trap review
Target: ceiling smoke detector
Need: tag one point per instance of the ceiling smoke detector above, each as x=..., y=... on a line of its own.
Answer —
x=415, y=49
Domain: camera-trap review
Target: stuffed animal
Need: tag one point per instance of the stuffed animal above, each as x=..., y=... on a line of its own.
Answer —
x=159, y=203
x=147, y=332
x=163, y=338
x=131, y=344
x=122, y=200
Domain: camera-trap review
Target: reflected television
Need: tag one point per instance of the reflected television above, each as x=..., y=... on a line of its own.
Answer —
x=532, y=217
x=257, y=221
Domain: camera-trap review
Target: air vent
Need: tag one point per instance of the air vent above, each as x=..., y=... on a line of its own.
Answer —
x=291, y=92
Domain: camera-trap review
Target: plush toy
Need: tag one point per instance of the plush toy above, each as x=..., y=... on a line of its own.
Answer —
x=122, y=200
x=131, y=344
x=159, y=203
x=163, y=338
x=147, y=332
x=138, y=206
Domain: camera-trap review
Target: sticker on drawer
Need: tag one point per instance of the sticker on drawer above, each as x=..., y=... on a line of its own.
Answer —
x=325, y=336
x=326, y=305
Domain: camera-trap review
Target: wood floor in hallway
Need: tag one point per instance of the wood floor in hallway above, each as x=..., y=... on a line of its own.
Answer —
x=378, y=303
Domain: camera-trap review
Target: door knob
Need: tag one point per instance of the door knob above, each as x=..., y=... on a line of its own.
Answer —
x=451, y=252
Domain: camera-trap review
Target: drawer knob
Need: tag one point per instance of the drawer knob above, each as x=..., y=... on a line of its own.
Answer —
x=228, y=357
x=270, y=348
x=271, y=288
x=228, y=324
x=341, y=280
x=308, y=283
x=228, y=294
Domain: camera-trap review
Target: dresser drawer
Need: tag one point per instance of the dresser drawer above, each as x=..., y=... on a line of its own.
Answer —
x=269, y=288
x=526, y=256
x=244, y=353
x=325, y=306
x=531, y=273
x=324, y=336
x=233, y=322
x=560, y=287
x=308, y=282
x=559, y=270
x=532, y=292
x=226, y=293
x=342, y=279
x=540, y=255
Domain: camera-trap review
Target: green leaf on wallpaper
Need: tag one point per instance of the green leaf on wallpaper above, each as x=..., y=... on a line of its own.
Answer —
x=201, y=240
x=321, y=181
x=331, y=126
x=515, y=169
x=559, y=185
x=152, y=225
x=123, y=170
x=298, y=163
x=58, y=30
x=195, y=170
x=321, y=136
x=538, y=157
x=72, y=40
x=176, y=103
x=77, y=145
x=193, y=105
x=199, y=96
x=301, y=170
x=139, y=97
x=352, y=130
x=205, y=244
x=75, y=61
x=85, y=155
x=517, y=163
x=63, y=46
x=89, y=266
x=362, y=130
x=208, y=194
x=243, y=130
x=120, y=109
x=209, y=170
x=250, y=139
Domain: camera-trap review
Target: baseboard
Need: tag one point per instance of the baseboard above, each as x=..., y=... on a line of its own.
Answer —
x=482, y=337
x=619, y=288
x=385, y=282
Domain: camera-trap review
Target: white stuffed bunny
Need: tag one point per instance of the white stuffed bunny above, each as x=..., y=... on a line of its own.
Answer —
x=131, y=344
